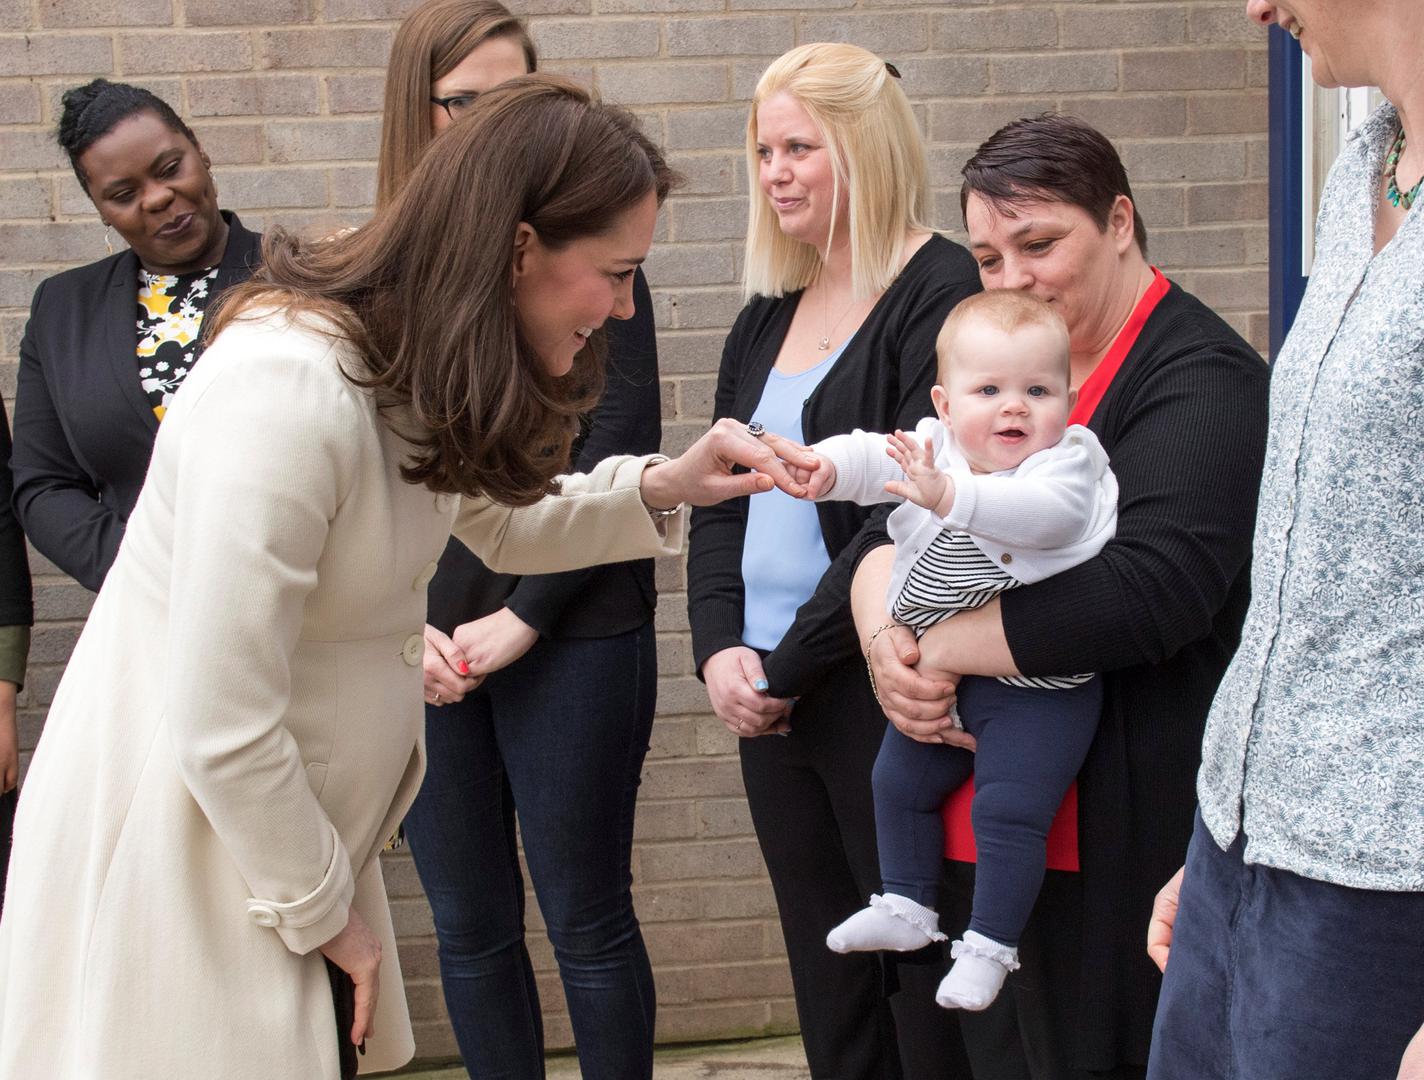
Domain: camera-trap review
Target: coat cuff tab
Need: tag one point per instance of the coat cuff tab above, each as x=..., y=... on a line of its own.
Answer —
x=331, y=897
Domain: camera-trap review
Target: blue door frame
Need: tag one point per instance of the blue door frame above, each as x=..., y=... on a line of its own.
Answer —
x=1287, y=209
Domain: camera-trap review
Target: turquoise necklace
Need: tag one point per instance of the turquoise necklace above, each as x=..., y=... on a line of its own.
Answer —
x=1391, y=167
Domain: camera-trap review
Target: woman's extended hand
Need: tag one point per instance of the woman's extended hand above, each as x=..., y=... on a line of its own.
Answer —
x=1164, y=917
x=494, y=642
x=917, y=705
x=736, y=684
x=357, y=951
x=703, y=475
x=447, y=673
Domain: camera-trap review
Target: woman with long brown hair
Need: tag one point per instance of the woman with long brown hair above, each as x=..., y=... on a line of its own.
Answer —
x=539, y=689
x=239, y=729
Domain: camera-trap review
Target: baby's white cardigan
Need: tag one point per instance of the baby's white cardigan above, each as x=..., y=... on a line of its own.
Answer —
x=1056, y=510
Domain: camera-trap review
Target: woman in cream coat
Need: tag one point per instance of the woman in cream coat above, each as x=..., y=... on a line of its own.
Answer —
x=239, y=728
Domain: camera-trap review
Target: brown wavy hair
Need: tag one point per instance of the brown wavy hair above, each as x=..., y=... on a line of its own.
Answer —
x=430, y=43
x=425, y=290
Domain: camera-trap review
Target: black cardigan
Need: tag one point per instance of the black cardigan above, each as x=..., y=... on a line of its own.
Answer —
x=882, y=381
x=84, y=428
x=1159, y=612
x=610, y=599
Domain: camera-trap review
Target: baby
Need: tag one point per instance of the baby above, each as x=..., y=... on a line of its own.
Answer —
x=998, y=492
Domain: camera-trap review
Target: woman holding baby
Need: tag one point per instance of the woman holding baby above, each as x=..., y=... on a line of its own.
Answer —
x=1178, y=402
x=847, y=288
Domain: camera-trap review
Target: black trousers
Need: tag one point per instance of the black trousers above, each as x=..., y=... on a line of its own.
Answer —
x=810, y=800
x=1027, y=1033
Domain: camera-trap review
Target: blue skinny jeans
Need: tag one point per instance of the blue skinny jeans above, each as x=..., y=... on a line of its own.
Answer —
x=557, y=738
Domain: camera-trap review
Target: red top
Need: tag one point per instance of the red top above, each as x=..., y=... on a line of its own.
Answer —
x=1063, y=834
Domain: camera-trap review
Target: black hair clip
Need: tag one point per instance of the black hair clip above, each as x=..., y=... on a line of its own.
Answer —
x=892, y=69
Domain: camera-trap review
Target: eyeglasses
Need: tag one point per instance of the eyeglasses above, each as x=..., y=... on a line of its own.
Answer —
x=455, y=104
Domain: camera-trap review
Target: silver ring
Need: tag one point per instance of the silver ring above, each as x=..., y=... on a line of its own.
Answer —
x=756, y=429
x=436, y=700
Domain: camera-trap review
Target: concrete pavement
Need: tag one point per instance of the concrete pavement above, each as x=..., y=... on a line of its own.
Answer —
x=753, y=1059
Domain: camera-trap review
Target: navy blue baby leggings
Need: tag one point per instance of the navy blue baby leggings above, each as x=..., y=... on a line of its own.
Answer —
x=1031, y=744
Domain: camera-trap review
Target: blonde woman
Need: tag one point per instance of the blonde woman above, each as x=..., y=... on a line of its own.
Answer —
x=505, y=656
x=846, y=289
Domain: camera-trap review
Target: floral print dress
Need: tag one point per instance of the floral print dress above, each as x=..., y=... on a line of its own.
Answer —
x=170, y=319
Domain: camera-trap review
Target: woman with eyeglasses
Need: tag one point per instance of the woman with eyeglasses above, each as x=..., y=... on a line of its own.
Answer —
x=539, y=689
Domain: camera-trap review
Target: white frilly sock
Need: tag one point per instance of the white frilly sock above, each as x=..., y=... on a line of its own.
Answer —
x=980, y=967
x=890, y=922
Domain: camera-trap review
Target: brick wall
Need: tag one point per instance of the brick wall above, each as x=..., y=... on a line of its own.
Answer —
x=285, y=97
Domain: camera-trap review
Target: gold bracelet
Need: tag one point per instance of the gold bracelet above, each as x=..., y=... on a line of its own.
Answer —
x=869, y=669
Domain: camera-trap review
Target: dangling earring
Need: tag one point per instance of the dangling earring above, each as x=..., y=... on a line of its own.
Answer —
x=108, y=242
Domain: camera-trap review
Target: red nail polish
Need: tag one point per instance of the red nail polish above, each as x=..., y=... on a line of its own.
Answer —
x=464, y=668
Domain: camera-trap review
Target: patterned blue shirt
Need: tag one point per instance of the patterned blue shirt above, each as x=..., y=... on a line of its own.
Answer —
x=1315, y=743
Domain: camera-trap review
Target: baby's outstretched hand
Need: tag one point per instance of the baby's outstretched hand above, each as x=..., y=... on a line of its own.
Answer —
x=817, y=480
x=924, y=484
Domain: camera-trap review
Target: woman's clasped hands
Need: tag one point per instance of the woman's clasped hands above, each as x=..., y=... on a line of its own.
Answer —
x=446, y=671
x=456, y=664
x=737, y=686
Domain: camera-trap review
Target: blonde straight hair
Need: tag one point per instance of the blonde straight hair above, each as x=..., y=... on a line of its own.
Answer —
x=877, y=156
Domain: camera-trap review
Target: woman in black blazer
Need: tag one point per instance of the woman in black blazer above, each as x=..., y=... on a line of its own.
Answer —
x=107, y=344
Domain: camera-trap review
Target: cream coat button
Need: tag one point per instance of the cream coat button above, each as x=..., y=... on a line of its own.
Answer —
x=444, y=501
x=263, y=915
x=413, y=650
x=1006, y=558
x=424, y=578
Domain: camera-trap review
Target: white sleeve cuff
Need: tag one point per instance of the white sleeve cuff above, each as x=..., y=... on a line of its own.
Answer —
x=319, y=916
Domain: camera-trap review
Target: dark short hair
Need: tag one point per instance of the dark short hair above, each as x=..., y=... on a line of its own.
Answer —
x=1054, y=157
x=93, y=110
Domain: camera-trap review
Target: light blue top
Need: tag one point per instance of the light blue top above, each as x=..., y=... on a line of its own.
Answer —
x=784, y=555
x=1315, y=745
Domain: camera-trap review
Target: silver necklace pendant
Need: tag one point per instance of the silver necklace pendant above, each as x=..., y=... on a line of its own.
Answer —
x=824, y=344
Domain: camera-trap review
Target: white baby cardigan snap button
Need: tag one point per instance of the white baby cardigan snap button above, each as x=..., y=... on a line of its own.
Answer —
x=413, y=650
